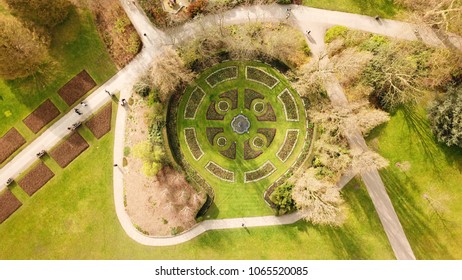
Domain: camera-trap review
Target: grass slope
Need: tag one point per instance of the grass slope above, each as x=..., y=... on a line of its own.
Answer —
x=426, y=197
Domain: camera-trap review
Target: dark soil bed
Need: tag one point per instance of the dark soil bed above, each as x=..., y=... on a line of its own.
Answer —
x=289, y=104
x=36, y=178
x=193, y=103
x=230, y=152
x=44, y=114
x=222, y=75
x=212, y=132
x=9, y=143
x=219, y=171
x=250, y=153
x=100, y=124
x=261, y=76
x=77, y=87
x=8, y=204
x=269, y=133
x=212, y=113
x=269, y=115
x=288, y=145
x=68, y=150
x=249, y=96
x=259, y=173
x=192, y=142
x=231, y=95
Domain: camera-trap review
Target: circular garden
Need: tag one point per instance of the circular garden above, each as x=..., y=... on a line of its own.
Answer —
x=241, y=127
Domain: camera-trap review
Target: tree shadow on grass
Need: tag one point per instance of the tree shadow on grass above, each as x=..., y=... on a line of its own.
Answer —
x=419, y=125
x=379, y=7
x=424, y=240
x=345, y=243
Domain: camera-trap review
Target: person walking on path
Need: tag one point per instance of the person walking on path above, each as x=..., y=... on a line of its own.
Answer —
x=77, y=111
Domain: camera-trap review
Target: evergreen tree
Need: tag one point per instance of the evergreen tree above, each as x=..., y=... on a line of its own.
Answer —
x=446, y=118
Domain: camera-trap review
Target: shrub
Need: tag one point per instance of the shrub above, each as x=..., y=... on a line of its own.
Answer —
x=335, y=32
x=126, y=151
x=282, y=198
x=283, y=2
x=197, y=7
x=142, y=88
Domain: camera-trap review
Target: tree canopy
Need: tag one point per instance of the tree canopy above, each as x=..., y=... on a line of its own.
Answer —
x=446, y=117
x=21, y=52
x=48, y=13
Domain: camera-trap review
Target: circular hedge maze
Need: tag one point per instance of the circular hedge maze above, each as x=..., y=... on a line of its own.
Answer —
x=241, y=127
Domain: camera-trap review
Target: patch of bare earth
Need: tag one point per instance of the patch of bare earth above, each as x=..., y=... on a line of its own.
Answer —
x=68, y=150
x=120, y=37
x=36, y=178
x=41, y=116
x=76, y=87
x=161, y=205
x=9, y=143
x=8, y=204
x=100, y=123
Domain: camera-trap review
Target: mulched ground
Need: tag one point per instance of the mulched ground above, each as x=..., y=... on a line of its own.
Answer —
x=211, y=132
x=77, y=87
x=8, y=204
x=100, y=124
x=193, y=103
x=250, y=95
x=231, y=95
x=9, y=143
x=44, y=114
x=250, y=153
x=68, y=150
x=212, y=114
x=269, y=115
x=230, y=152
x=269, y=133
x=36, y=178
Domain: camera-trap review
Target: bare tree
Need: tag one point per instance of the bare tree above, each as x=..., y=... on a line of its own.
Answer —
x=169, y=72
x=319, y=202
x=368, y=160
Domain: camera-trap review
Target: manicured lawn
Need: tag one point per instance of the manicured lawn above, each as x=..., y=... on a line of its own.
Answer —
x=240, y=198
x=73, y=217
x=427, y=197
x=75, y=45
x=383, y=8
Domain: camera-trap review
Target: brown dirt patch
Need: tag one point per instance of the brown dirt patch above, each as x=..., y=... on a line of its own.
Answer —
x=76, y=87
x=161, y=205
x=44, y=114
x=8, y=204
x=68, y=150
x=100, y=124
x=114, y=26
x=9, y=143
x=36, y=178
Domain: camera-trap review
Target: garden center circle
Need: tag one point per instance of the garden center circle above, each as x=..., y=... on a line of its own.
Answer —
x=241, y=123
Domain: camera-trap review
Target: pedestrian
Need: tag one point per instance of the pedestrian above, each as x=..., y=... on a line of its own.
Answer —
x=308, y=32
x=108, y=92
x=144, y=34
x=377, y=18
x=288, y=15
x=77, y=111
x=243, y=225
x=115, y=164
x=68, y=128
x=83, y=103
x=289, y=9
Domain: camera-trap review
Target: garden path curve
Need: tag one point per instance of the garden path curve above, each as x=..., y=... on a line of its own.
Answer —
x=305, y=18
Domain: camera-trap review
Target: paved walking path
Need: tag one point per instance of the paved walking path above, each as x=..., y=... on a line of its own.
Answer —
x=305, y=18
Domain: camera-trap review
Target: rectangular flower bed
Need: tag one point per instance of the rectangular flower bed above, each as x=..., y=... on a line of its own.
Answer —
x=41, y=116
x=77, y=87
x=100, y=123
x=8, y=204
x=36, y=178
x=68, y=150
x=9, y=143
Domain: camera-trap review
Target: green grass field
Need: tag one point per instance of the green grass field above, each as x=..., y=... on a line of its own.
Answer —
x=383, y=8
x=238, y=199
x=73, y=217
x=427, y=196
x=75, y=45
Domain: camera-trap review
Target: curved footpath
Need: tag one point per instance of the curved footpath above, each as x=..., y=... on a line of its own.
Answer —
x=315, y=20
